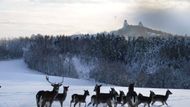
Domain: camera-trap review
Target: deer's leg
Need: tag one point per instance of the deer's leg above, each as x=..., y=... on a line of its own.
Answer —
x=70, y=103
x=48, y=104
x=93, y=104
x=137, y=103
x=125, y=101
x=37, y=102
x=40, y=100
x=51, y=102
x=148, y=105
x=115, y=104
x=122, y=104
x=166, y=103
x=109, y=103
x=153, y=102
x=130, y=103
x=85, y=103
x=61, y=103
x=96, y=104
x=89, y=104
x=162, y=103
x=43, y=103
x=75, y=104
x=144, y=105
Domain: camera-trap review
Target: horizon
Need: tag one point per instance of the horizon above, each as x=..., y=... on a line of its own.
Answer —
x=21, y=18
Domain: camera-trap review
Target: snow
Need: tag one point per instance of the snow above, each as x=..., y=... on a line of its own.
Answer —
x=20, y=85
x=83, y=70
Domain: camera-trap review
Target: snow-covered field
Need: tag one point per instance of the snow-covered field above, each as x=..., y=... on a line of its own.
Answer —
x=20, y=85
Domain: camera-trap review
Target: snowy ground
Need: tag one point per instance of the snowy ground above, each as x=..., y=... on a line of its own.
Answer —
x=20, y=85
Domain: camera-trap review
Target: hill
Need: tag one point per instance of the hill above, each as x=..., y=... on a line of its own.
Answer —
x=20, y=85
x=138, y=31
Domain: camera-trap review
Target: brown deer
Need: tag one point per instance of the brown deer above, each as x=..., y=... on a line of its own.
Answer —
x=44, y=97
x=104, y=97
x=161, y=98
x=131, y=97
x=93, y=97
x=119, y=99
x=77, y=98
x=144, y=99
x=61, y=96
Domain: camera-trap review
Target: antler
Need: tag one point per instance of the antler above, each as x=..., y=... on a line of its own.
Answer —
x=60, y=83
x=47, y=78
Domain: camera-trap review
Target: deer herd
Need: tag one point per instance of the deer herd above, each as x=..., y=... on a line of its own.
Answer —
x=46, y=98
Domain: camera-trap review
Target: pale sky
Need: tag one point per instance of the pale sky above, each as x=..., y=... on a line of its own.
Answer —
x=27, y=17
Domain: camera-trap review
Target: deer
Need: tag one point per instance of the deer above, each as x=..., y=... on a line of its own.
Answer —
x=161, y=98
x=119, y=99
x=77, y=98
x=61, y=96
x=131, y=97
x=44, y=97
x=93, y=97
x=104, y=97
x=144, y=99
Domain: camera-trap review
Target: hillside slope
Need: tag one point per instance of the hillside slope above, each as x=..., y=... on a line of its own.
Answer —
x=20, y=85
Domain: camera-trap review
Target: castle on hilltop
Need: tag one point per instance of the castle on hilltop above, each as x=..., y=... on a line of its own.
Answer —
x=125, y=24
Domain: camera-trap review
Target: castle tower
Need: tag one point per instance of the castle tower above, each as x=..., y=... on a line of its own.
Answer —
x=125, y=25
x=140, y=24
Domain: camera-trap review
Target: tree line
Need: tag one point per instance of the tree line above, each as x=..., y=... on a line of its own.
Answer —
x=161, y=61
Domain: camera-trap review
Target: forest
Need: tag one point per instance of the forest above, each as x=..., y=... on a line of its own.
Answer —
x=159, y=62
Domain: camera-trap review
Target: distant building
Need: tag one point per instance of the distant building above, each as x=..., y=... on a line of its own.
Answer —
x=125, y=25
x=140, y=24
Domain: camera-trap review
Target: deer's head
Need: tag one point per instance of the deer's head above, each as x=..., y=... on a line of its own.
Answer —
x=131, y=87
x=122, y=93
x=113, y=92
x=86, y=92
x=65, y=88
x=168, y=92
x=152, y=94
x=97, y=88
x=55, y=85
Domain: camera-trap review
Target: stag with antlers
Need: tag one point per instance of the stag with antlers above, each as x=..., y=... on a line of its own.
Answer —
x=44, y=97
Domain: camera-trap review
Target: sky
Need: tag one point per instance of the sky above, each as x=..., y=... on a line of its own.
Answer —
x=54, y=17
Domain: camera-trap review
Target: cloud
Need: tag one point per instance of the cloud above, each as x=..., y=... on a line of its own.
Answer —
x=174, y=19
x=70, y=16
x=65, y=1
